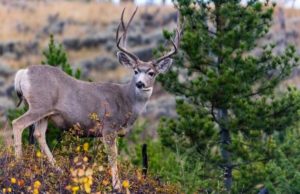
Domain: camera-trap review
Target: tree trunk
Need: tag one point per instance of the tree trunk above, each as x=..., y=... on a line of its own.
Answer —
x=225, y=142
x=223, y=114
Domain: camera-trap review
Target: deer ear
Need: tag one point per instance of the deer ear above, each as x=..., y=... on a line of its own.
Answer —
x=164, y=65
x=126, y=60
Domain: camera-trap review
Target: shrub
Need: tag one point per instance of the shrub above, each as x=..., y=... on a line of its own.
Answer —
x=83, y=169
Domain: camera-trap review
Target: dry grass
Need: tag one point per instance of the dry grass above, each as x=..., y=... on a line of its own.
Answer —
x=34, y=14
x=83, y=169
x=33, y=17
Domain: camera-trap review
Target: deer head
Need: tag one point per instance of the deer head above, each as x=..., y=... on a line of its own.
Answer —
x=145, y=72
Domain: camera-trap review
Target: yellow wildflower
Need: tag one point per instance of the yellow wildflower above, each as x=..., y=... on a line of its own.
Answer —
x=35, y=191
x=75, y=189
x=86, y=147
x=85, y=159
x=78, y=149
x=88, y=172
x=4, y=190
x=38, y=154
x=75, y=180
x=90, y=180
x=9, y=189
x=87, y=188
x=76, y=159
x=125, y=184
x=101, y=168
x=94, y=116
x=37, y=184
x=68, y=187
x=85, y=180
x=13, y=180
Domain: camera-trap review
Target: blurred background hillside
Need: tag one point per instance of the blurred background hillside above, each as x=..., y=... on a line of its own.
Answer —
x=240, y=95
x=86, y=29
x=87, y=32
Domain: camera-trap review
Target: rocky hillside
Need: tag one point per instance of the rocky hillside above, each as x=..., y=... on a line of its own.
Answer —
x=87, y=35
x=87, y=31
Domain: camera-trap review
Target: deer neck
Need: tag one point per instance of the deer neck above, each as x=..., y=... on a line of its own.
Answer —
x=137, y=98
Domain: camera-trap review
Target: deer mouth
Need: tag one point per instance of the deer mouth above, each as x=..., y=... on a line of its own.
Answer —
x=146, y=89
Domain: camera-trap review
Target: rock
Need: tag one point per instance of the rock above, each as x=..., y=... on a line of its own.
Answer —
x=22, y=28
x=94, y=41
x=71, y=44
x=155, y=37
x=55, y=25
x=110, y=45
x=7, y=47
x=134, y=40
x=144, y=53
x=10, y=90
x=162, y=106
x=87, y=42
x=18, y=49
x=96, y=64
x=5, y=71
x=5, y=104
x=2, y=81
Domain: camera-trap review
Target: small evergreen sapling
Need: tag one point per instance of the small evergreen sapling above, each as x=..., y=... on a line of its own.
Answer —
x=56, y=56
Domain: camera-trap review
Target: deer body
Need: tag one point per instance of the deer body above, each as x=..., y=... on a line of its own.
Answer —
x=53, y=95
x=67, y=101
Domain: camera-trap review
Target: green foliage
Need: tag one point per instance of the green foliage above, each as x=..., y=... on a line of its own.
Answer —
x=282, y=174
x=166, y=165
x=55, y=55
x=229, y=106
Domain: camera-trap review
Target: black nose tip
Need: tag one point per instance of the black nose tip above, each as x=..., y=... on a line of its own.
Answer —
x=140, y=85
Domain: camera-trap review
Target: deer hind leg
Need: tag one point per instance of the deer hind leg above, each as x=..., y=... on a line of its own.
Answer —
x=40, y=135
x=19, y=124
x=111, y=147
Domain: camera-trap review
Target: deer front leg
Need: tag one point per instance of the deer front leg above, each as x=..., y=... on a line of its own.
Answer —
x=111, y=147
x=40, y=135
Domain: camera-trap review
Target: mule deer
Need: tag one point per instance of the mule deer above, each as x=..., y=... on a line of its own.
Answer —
x=53, y=95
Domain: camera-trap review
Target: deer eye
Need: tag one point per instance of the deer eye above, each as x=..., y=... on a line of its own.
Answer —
x=151, y=74
x=136, y=72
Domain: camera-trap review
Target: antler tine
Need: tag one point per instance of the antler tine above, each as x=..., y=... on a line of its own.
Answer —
x=123, y=36
x=175, y=41
x=175, y=47
x=125, y=28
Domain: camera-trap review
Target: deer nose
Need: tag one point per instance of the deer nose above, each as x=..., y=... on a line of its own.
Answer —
x=140, y=85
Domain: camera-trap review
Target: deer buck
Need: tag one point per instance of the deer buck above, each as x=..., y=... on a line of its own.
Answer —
x=53, y=95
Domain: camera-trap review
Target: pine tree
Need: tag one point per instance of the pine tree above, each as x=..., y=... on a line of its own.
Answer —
x=229, y=105
x=55, y=55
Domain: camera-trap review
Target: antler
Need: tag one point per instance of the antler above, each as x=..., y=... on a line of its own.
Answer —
x=175, y=43
x=123, y=36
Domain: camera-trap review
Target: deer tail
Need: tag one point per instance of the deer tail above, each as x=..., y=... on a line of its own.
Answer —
x=18, y=89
